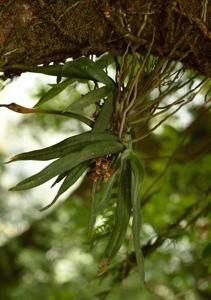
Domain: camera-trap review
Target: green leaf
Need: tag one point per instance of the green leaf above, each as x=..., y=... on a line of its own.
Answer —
x=68, y=162
x=65, y=147
x=136, y=181
x=137, y=176
x=81, y=68
x=122, y=215
x=52, y=70
x=93, y=210
x=103, y=120
x=137, y=165
x=60, y=177
x=107, y=189
x=92, y=70
x=88, y=99
x=73, y=175
x=104, y=60
x=68, y=69
x=54, y=91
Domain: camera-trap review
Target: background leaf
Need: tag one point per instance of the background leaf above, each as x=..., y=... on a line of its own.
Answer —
x=54, y=91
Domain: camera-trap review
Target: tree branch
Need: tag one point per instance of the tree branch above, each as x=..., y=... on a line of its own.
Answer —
x=39, y=32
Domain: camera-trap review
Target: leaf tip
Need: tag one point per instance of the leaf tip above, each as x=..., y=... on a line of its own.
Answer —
x=12, y=159
x=49, y=205
x=13, y=189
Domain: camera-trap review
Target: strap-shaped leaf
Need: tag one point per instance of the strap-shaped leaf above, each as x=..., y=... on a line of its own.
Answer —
x=52, y=70
x=60, y=178
x=137, y=176
x=122, y=215
x=88, y=99
x=136, y=182
x=137, y=166
x=103, y=120
x=54, y=91
x=91, y=69
x=73, y=175
x=107, y=190
x=69, y=70
x=81, y=68
x=25, y=110
x=65, y=147
x=93, y=209
x=68, y=162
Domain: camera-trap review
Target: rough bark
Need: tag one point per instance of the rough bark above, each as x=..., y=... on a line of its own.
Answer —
x=39, y=31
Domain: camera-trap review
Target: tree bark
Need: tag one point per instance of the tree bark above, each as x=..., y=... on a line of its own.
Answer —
x=40, y=32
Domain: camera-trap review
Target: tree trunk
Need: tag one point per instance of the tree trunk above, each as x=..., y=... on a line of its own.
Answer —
x=42, y=31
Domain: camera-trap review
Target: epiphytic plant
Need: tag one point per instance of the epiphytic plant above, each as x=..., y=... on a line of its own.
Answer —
x=140, y=93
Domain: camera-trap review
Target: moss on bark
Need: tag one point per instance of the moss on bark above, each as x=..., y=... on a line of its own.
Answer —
x=39, y=32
